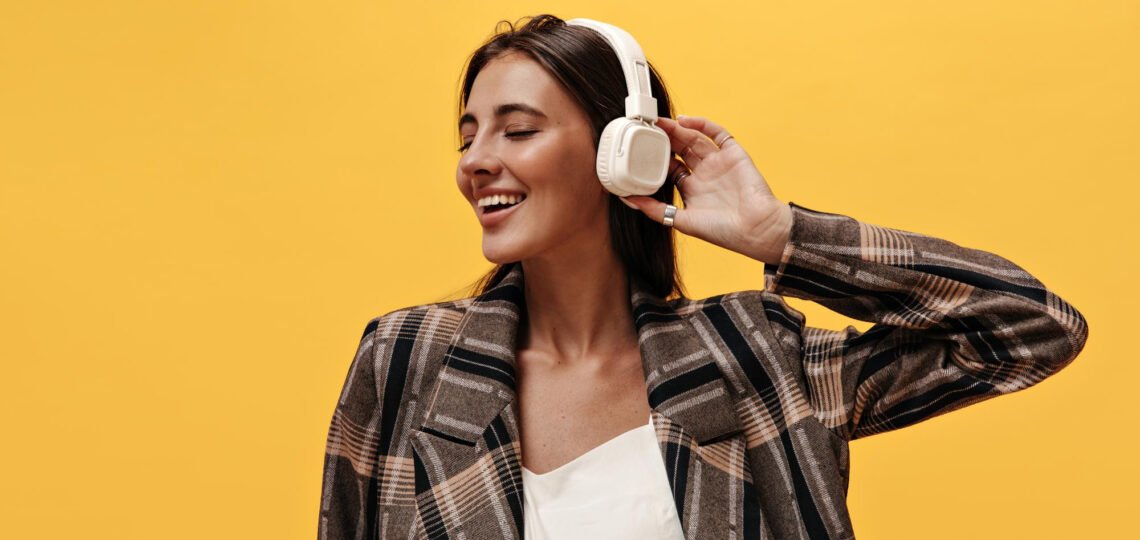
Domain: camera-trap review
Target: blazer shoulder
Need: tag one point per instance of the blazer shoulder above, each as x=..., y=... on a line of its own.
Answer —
x=759, y=317
x=395, y=323
x=751, y=301
x=757, y=338
x=409, y=343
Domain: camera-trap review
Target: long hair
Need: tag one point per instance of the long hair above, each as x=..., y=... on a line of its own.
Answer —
x=588, y=68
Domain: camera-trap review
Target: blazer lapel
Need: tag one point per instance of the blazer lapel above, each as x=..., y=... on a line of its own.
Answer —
x=468, y=468
x=698, y=430
x=466, y=453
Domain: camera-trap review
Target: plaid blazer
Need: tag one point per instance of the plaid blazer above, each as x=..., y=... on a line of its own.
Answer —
x=752, y=409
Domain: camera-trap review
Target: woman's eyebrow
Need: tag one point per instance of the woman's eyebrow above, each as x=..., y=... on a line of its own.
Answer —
x=505, y=109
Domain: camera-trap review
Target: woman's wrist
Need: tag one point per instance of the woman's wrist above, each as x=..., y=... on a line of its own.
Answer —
x=768, y=246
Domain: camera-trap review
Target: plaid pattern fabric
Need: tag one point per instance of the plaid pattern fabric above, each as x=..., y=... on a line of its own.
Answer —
x=753, y=410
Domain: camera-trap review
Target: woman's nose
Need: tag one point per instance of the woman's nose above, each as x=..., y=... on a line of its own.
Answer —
x=479, y=158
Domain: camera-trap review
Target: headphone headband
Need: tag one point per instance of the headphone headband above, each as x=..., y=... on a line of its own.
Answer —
x=639, y=103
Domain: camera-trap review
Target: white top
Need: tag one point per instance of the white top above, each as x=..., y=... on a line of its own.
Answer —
x=616, y=490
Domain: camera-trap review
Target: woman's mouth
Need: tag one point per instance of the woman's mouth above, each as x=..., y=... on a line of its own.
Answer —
x=499, y=209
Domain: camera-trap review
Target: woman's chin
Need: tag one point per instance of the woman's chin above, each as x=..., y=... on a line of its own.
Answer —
x=500, y=254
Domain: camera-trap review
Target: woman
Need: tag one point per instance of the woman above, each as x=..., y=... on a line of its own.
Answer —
x=594, y=399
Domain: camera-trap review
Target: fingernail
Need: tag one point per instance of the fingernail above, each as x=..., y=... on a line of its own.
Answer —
x=681, y=117
x=629, y=204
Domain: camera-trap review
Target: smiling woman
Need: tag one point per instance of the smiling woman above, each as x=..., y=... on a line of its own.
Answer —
x=578, y=393
x=534, y=105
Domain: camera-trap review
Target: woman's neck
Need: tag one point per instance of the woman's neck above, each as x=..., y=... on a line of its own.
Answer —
x=577, y=307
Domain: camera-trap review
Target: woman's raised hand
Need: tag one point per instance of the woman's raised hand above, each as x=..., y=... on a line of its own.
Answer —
x=727, y=202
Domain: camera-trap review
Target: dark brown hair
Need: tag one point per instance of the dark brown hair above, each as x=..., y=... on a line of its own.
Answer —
x=589, y=70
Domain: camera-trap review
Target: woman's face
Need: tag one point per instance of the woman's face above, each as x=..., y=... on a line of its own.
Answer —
x=524, y=135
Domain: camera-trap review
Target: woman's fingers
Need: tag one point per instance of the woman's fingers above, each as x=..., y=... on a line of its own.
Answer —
x=709, y=128
x=690, y=144
x=678, y=169
x=655, y=209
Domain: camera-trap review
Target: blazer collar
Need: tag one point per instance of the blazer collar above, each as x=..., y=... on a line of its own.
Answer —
x=477, y=379
x=694, y=417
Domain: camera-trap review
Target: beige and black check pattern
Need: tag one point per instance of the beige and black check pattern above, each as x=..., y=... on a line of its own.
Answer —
x=753, y=410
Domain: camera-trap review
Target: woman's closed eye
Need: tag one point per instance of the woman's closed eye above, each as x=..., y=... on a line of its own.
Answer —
x=512, y=134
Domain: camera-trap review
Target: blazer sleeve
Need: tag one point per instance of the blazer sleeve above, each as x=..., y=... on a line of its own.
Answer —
x=349, y=481
x=953, y=325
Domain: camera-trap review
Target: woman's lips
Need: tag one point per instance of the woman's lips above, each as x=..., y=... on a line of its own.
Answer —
x=488, y=219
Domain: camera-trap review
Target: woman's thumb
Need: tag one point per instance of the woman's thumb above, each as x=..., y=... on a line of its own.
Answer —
x=652, y=208
x=625, y=200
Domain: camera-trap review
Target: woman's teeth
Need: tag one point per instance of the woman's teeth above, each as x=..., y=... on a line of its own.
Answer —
x=492, y=203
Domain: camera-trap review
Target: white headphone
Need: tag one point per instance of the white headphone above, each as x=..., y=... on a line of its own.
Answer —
x=633, y=153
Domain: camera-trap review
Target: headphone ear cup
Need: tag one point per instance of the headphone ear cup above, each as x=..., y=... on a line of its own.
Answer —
x=633, y=158
x=606, y=150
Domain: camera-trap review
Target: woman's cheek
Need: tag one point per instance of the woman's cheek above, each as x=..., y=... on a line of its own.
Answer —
x=463, y=186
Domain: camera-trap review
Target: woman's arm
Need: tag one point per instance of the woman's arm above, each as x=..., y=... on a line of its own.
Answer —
x=953, y=325
x=349, y=483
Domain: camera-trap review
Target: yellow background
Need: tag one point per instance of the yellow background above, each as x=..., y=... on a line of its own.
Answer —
x=202, y=203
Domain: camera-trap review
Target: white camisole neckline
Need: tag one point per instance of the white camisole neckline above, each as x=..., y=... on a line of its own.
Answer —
x=617, y=489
